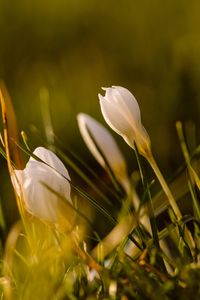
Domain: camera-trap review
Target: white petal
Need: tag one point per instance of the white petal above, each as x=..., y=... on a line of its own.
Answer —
x=18, y=178
x=105, y=143
x=85, y=123
x=121, y=111
x=49, y=176
x=114, y=117
x=125, y=102
x=50, y=159
x=129, y=103
x=41, y=201
x=32, y=185
x=110, y=95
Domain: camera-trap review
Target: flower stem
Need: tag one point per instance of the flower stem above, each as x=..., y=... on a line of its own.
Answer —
x=165, y=187
x=170, y=197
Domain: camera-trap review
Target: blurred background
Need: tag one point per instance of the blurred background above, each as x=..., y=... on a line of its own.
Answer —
x=71, y=48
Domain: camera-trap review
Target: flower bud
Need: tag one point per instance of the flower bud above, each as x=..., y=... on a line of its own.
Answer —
x=36, y=185
x=122, y=113
x=103, y=147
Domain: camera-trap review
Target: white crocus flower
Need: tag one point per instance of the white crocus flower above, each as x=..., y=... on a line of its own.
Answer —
x=33, y=185
x=122, y=113
x=103, y=147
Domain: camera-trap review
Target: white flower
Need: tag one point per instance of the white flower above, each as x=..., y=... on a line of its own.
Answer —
x=103, y=146
x=31, y=185
x=122, y=113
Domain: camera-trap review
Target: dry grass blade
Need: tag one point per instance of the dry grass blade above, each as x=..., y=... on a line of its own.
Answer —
x=5, y=100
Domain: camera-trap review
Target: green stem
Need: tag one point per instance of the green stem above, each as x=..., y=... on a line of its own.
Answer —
x=165, y=187
x=169, y=195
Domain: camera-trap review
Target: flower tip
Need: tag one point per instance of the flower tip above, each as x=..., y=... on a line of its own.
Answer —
x=101, y=98
x=80, y=116
x=82, y=120
x=104, y=88
x=40, y=151
x=117, y=87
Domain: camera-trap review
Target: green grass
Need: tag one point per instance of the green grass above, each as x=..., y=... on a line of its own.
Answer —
x=147, y=252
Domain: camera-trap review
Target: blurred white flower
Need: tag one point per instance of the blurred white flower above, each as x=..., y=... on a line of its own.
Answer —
x=103, y=146
x=122, y=113
x=31, y=185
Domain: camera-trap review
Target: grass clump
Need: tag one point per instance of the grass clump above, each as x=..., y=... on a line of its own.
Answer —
x=58, y=250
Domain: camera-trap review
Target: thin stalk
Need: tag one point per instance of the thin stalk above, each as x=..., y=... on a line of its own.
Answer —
x=169, y=195
x=153, y=226
x=165, y=187
x=192, y=173
x=7, y=146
